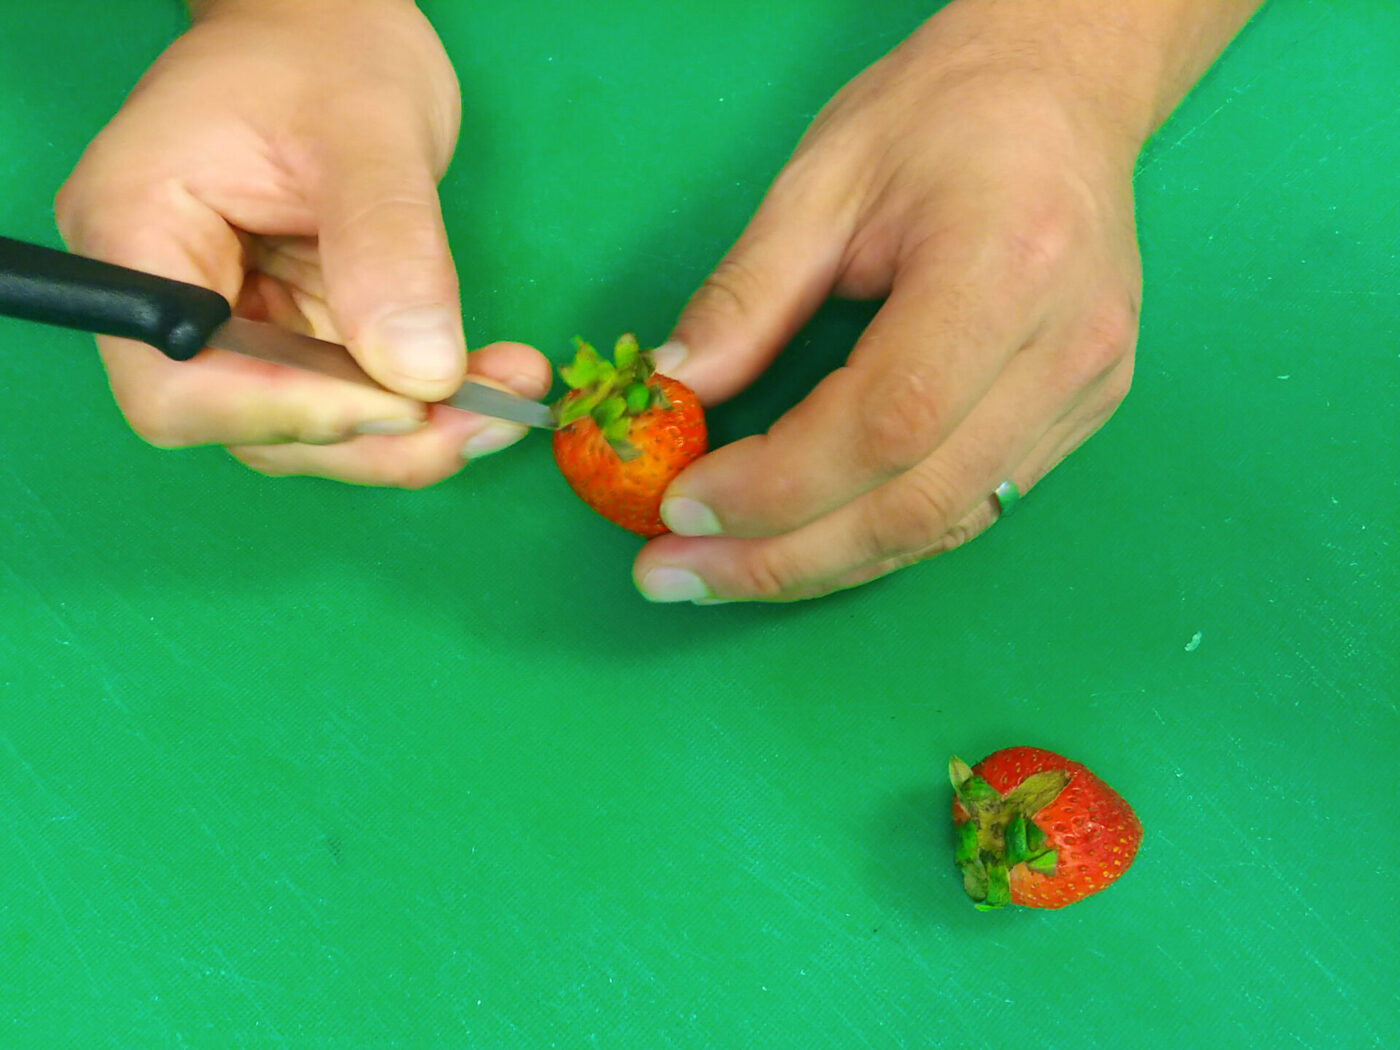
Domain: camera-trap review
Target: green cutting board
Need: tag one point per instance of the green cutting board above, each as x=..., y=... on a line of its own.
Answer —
x=292, y=763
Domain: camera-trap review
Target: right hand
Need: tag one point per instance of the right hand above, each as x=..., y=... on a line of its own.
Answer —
x=287, y=156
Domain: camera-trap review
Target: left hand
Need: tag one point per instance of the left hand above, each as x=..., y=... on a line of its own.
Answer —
x=988, y=196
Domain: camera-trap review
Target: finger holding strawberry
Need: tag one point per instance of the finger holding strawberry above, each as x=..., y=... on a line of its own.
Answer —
x=1037, y=829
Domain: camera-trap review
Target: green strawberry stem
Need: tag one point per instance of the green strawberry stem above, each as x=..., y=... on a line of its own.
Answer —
x=1001, y=832
x=613, y=393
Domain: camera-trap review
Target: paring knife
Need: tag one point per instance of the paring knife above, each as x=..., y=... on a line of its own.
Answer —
x=72, y=291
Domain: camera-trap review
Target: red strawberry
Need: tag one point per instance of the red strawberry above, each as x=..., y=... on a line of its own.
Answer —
x=1082, y=837
x=625, y=432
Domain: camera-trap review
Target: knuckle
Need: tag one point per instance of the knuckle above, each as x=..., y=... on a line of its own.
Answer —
x=1112, y=333
x=1106, y=341
x=785, y=501
x=1034, y=253
x=732, y=288
x=149, y=416
x=404, y=225
x=410, y=472
x=323, y=423
x=263, y=459
x=401, y=231
x=1117, y=384
x=914, y=516
x=955, y=536
x=417, y=478
x=765, y=576
x=410, y=232
x=65, y=204
x=71, y=202
x=816, y=180
x=902, y=422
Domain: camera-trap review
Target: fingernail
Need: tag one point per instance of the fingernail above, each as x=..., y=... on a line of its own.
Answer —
x=389, y=426
x=424, y=343
x=672, y=585
x=668, y=356
x=492, y=438
x=687, y=517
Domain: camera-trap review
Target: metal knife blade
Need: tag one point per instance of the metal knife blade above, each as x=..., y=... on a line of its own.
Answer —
x=267, y=342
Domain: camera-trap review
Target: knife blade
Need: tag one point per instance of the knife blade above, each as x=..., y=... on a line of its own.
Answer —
x=267, y=342
x=72, y=291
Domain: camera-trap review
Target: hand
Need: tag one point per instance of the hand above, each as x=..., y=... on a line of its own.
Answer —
x=981, y=182
x=287, y=155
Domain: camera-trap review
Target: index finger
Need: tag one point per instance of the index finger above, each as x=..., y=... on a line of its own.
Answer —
x=216, y=397
x=926, y=359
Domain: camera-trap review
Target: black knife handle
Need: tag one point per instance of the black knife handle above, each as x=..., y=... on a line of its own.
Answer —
x=72, y=291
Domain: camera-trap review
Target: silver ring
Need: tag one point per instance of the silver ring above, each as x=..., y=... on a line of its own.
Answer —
x=1007, y=496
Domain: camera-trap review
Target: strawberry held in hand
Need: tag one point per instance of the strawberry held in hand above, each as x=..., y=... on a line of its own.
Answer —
x=625, y=432
x=1037, y=829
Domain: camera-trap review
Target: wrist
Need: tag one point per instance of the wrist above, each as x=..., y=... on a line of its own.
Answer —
x=1122, y=67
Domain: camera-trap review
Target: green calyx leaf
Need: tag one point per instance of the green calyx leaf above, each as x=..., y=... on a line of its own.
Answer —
x=639, y=398
x=1037, y=791
x=609, y=411
x=959, y=772
x=967, y=843
x=1016, y=850
x=626, y=351
x=969, y=787
x=1001, y=834
x=615, y=434
x=583, y=370
x=566, y=412
x=1035, y=839
x=975, y=882
x=612, y=393
x=571, y=409
x=998, y=889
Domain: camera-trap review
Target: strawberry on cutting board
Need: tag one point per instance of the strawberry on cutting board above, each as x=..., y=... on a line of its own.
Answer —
x=625, y=432
x=1037, y=829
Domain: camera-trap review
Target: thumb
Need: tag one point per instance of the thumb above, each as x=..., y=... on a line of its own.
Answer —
x=390, y=282
x=764, y=289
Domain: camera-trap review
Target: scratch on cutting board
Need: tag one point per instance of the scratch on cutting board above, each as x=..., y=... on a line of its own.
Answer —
x=66, y=635
x=1191, y=131
x=1194, y=643
x=43, y=883
x=1162, y=951
x=852, y=1028
x=245, y=986
x=18, y=481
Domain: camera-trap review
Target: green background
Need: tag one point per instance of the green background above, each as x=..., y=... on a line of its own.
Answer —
x=291, y=763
